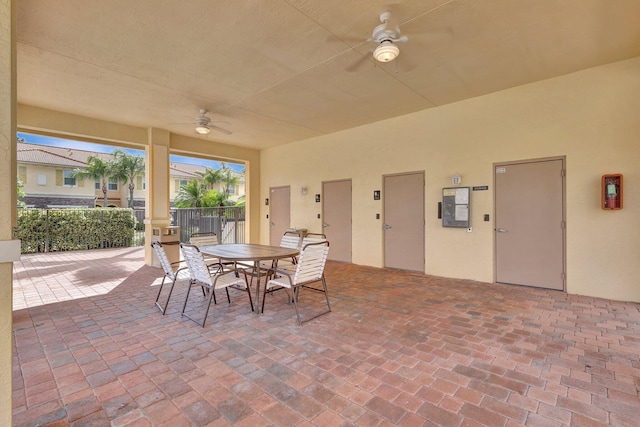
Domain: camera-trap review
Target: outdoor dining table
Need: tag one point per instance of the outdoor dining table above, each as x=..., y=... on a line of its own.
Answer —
x=249, y=252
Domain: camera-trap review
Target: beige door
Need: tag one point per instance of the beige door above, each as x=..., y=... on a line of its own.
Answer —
x=279, y=213
x=404, y=221
x=529, y=220
x=336, y=214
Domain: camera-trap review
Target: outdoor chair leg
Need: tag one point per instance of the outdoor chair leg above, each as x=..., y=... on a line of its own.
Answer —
x=295, y=304
x=264, y=295
x=326, y=293
x=184, y=306
x=160, y=290
x=166, y=304
x=162, y=309
x=206, y=313
x=249, y=293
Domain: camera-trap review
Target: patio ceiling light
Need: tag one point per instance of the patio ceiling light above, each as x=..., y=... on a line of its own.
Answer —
x=203, y=130
x=386, y=51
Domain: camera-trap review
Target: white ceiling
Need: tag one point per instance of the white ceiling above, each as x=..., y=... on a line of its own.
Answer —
x=277, y=71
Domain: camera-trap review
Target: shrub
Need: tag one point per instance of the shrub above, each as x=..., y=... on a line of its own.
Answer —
x=72, y=229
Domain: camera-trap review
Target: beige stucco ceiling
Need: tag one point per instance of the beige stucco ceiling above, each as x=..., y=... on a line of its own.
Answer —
x=277, y=71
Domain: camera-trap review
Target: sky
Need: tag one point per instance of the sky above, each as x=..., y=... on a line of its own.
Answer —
x=98, y=148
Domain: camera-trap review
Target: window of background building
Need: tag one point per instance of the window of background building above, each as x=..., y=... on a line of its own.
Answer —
x=113, y=184
x=69, y=179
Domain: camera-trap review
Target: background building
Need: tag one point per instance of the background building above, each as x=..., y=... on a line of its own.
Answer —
x=46, y=173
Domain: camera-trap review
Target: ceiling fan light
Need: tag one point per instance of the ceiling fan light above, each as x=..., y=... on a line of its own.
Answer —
x=203, y=130
x=386, y=51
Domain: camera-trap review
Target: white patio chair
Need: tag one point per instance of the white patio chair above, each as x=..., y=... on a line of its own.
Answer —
x=308, y=238
x=309, y=269
x=313, y=238
x=290, y=239
x=210, y=277
x=204, y=239
x=172, y=271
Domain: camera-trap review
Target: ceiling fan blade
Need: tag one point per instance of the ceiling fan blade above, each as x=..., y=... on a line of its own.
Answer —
x=219, y=129
x=364, y=58
x=348, y=40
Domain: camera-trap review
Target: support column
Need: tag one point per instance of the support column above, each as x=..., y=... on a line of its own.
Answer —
x=157, y=207
x=8, y=176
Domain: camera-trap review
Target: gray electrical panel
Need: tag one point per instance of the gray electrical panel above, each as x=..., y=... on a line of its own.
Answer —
x=455, y=207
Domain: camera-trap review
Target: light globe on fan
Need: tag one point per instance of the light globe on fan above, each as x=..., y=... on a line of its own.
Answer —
x=387, y=35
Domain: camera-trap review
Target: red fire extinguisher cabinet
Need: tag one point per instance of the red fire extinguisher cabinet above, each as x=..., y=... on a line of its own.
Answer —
x=611, y=192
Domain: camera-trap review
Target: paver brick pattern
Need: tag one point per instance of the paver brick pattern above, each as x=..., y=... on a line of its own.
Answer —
x=91, y=349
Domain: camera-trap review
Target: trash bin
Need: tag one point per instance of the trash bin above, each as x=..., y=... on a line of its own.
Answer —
x=170, y=238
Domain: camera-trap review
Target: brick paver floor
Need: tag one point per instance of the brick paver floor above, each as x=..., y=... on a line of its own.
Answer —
x=91, y=349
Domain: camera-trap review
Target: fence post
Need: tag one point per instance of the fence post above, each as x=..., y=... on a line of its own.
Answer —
x=46, y=237
x=102, y=228
x=235, y=223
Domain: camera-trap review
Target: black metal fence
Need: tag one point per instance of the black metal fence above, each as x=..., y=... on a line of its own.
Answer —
x=226, y=222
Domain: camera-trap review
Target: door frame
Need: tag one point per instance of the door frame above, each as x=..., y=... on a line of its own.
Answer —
x=564, y=213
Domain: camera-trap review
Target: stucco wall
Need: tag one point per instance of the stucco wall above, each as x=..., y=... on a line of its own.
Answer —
x=31, y=186
x=591, y=117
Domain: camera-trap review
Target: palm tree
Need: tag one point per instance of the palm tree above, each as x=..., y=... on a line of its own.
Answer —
x=225, y=176
x=229, y=177
x=126, y=169
x=194, y=195
x=97, y=169
x=210, y=176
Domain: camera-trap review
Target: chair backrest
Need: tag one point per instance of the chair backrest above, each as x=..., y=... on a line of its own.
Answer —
x=198, y=269
x=311, y=262
x=164, y=261
x=290, y=239
x=202, y=239
x=313, y=238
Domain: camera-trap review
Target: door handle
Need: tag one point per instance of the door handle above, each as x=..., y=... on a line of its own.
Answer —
x=501, y=230
x=386, y=226
x=324, y=224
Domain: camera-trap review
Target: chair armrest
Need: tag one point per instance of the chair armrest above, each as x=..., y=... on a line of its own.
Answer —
x=215, y=268
x=271, y=274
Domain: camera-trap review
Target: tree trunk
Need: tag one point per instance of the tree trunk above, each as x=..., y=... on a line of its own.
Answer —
x=131, y=188
x=104, y=192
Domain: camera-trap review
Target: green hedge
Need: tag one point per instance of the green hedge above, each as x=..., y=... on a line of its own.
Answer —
x=52, y=230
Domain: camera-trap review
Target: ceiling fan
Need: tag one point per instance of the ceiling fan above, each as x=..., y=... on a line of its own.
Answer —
x=204, y=124
x=387, y=34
